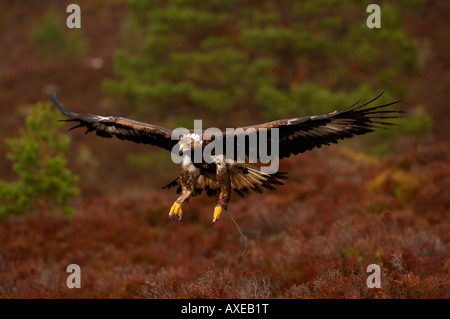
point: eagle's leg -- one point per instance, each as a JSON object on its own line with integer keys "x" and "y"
{"x": 188, "y": 178}
{"x": 223, "y": 177}
{"x": 175, "y": 210}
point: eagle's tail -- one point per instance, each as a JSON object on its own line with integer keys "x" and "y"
{"x": 244, "y": 179}
{"x": 248, "y": 178}
{"x": 173, "y": 183}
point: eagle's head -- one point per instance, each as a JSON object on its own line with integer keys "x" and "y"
{"x": 188, "y": 142}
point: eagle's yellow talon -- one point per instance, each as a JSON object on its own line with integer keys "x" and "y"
{"x": 217, "y": 212}
{"x": 175, "y": 210}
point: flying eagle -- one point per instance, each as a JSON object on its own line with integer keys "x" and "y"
{"x": 223, "y": 174}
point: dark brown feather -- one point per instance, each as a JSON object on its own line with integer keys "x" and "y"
{"x": 122, "y": 128}
{"x": 298, "y": 135}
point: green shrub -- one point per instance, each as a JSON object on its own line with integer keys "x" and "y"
{"x": 55, "y": 41}
{"x": 38, "y": 156}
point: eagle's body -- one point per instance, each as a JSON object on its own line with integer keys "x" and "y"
{"x": 223, "y": 175}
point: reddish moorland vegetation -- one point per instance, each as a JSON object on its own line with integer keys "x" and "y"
{"x": 340, "y": 211}
{"x": 303, "y": 244}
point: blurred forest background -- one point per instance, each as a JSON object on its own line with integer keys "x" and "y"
{"x": 70, "y": 198}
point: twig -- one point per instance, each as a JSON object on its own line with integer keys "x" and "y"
{"x": 240, "y": 232}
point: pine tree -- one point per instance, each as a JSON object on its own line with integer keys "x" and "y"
{"x": 258, "y": 60}
{"x": 39, "y": 160}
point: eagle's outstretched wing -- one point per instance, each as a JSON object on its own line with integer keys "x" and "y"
{"x": 297, "y": 135}
{"x": 122, "y": 128}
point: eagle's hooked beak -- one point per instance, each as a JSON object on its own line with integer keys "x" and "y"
{"x": 183, "y": 147}
{"x": 180, "y": 152}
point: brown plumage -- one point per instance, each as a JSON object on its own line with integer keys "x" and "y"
{"x": 244, "y": 178}
{"x": 122, "y": 128}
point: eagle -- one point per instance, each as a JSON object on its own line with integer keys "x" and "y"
{"x": 222, "y": 173}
